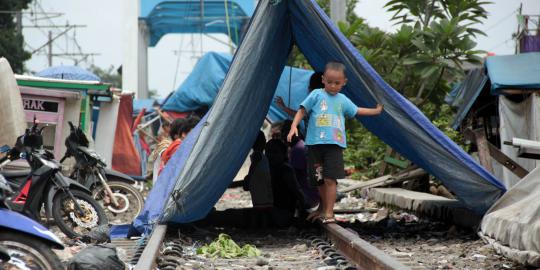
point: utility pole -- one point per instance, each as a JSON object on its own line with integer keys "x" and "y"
{"x": 38, "y": 14}
{"x": 517, "y": 48}
{"x": 337, "y": 10}
{"x": 50, "y": 54}
{"x": 19, "y": 22}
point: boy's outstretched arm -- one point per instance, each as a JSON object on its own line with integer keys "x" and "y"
{"x": 297, "y": 118}
{"x": 370, "y": 111}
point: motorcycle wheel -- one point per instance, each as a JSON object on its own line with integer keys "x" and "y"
{"x": 69, "y": 220}
{"x": 28, "y": 252}
{"x": 130, "y": 202}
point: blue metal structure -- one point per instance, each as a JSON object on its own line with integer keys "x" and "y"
{"x": 196, "y": 16}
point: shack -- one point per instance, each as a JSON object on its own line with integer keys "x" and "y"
{"x": 54, "y": 102}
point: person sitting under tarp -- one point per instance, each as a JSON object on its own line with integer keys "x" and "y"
{"x": 286, "y": 193}
{"x": 179, "y": 130}
{"x": 298, "y": 161}
{"x": 258, "y": 181}
{"x": 259, "y": 184}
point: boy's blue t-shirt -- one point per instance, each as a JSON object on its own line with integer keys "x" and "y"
{"x": 327, "y": 117}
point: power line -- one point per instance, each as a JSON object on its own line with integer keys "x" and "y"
{"x": 501, "y": 20}
{"x": 59, "y": 31}
{"x": 499, "y": 44}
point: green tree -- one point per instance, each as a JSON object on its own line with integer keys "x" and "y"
{"x": 420, "y": 59}
{"x": 109, "y": 75}
{"x": 12, "y": 42}
{"x": 442, "y": 34}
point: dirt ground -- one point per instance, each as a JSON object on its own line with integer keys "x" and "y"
{"x": 432, "y": 244}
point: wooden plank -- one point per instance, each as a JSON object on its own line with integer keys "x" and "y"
{"x": 499, "y": 156}
{"x": 483, "y": 149}
{"x": 386, "y": 180}
{"x": 389, "y": 151}
{"x": 396, "y": 162}
{"x": 507, "y": 162}
{"x": 369, "y": 183}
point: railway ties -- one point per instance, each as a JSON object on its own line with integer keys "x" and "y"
{"x": 343, "y": 250}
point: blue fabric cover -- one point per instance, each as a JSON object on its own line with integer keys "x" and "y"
{"x": 139, "y": 104}
{"x": 520, "y": 71}
{"x": 204, "y": 167}
{"x": 464, "y": 94}
{"x": 200, "y": 88}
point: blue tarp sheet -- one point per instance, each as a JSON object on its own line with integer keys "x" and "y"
{"x": 520, "y": 71}
{"x": 212, "y": 154}
{"x": 139, "y": 104}
{"x": 465, "y": 94}
{"x": 202, "y": 85}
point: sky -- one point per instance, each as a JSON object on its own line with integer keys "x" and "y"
{"x": 171, "y": 60}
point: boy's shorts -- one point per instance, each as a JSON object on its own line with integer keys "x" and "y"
{"x": 325, "y": 161}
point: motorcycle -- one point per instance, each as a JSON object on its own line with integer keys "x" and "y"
{"x": 24, "y": 243}
{"x": 69, "y": 203}
{"x": 120, "y": 199}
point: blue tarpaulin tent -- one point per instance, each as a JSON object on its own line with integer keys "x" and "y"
{"x": 500, "y": 73}
{"x": 201, "y": 87}
{"x": 520, "y": 71}
{"x": 209, "y": 158}
{"x": 148, "y": 104}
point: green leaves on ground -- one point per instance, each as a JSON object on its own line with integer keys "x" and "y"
{"x": 225, "y": 247}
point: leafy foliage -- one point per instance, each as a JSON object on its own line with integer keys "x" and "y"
{"x": 225, "y": 247}
{"x": 11, "y": 42}
{"x": 435, "y": 39}
{"x": 109, "y": 75}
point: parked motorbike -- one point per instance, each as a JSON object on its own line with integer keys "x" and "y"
{"x": 68, "y": 202}
{"x": 120, "y": 199}
{"x": 24, "y": 243}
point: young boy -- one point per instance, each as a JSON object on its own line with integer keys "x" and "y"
{"x": 326, "y": 135}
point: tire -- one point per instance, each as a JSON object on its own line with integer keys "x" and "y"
{"x": 67, "y": 218}
{"x": 130, "y": 202}
{"x": 28, "y": 250}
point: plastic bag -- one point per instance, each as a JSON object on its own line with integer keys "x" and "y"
{"x": 99, "y": 257}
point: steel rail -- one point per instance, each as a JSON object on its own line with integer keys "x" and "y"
{"x": 359, "y": 252}
{"x": 148, "y": 257}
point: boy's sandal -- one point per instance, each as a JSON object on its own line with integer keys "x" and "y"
{"x": 327, "y": 220}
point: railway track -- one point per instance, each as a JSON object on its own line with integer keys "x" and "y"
{"x": 344, "y": 249}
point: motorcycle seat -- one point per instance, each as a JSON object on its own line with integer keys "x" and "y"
{"x": 15, "y": 174}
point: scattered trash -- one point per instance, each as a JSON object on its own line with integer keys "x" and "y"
{"x": 225, "y": 247}
{"x": 261, "y": 261}
{"x": 404, "y": 217}
{"x": 380, "y": 215}
{"x": 479, "y": 257}
{"x": 98, "y": 257}
{"x": 98, "y": 235}
{"x": 301, "y": 248}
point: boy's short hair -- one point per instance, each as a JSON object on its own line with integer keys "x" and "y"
{"x": 335, "y": 65}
